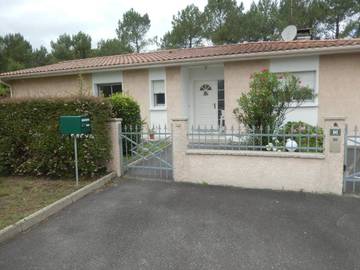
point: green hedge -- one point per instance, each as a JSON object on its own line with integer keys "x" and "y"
{"x": 30, "y": 142}
{"x": 126, "y": 108}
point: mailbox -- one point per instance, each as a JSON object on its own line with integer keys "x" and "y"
{"x": 76, "y": 124}
{"x": 335, "y": 141}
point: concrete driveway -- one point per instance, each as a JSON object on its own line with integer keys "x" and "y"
{"x": 156, "y": 225}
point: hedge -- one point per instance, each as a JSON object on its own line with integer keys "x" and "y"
{"x": 30, "y": 142}
{"x": 126, "y": 108}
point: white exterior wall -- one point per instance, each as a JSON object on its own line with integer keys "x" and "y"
{"x": 308, "y": 112}
{"x": 198, "y": 73}
{"x": 105, "y": 77}
{"x": 158, "y": 116}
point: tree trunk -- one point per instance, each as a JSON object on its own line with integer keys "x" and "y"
{"x": 337, "y": 31}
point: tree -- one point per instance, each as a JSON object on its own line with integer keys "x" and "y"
{"x": 223, "y": 21}
{"x": 132, "y": 29}
{"x": 187, "y": 29}
{"x": 81, "y": 44}
{"x": 260, "y": 22}
{"x": 336, "y": 14}
{"x": 68, "y": 47}
{"x": 62, "y": 49}
{"x": 303, "y": 14}
{"x": 352, "y": 29}
{"x": 111, "y": 47}
{"x": 16, "y": 52}
{"x": 40, "y": 57}
{"x": 270, "y": 99}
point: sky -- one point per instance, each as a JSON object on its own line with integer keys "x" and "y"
{"x": 41, "y": 21}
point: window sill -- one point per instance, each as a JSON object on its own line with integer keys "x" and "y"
{"x": 306, "y": 105}
{"x": 158, "y": 108}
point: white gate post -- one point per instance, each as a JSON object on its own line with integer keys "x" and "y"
{"x": 180, "y": 143}
{"x": 333, "y": 172}
{"x": 115, "y": 146}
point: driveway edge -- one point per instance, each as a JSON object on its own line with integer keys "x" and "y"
{"x": 35, "y": 218}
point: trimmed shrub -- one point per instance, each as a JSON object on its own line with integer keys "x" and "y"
{"x": 31, "y": 144}
{"x": 126, "y": 108}
{"x": 303, "y": 128}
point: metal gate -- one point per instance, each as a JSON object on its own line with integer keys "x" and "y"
{"x": 147, "y": 152}
{"x": 352, "y": 161}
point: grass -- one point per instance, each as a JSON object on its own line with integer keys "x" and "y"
{"x": 20, "y": 197}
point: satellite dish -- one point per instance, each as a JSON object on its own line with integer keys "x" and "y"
{"x": 289, "y": 33}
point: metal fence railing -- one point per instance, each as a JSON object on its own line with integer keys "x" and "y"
{"x": 352, "y": 160}
{"x": 286, "y": 139}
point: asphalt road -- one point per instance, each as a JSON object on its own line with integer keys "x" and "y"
{"x": 158, "y": 225}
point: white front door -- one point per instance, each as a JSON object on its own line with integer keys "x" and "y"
{"x": 206, "y": 107}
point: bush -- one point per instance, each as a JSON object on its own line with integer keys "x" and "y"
{"x": 31, "y": 144}
{"x": 304, "y": 129}
{"x": 270, "y": 99}
{"x": 4, "y": 91}
{"x": 126, "y": 108}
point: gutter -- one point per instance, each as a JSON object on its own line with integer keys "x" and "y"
{"x": 197, "y": 61}
{"x": 8, "y": 85}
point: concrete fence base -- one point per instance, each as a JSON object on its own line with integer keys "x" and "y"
{"x": 320, "y": 173}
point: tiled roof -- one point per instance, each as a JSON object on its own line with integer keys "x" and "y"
{"x": 180, "y": 55}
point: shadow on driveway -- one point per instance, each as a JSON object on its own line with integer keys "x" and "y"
{"x": 158, "y": 225}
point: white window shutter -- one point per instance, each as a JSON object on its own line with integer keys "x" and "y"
{"x": 158, "y": 87}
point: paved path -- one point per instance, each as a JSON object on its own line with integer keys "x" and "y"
{"x": 157, "y": 225}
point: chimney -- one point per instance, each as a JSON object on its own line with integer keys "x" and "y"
{"x": 304, "y": 34}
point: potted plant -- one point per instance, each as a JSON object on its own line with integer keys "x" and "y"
{"x": 151, "y": 133}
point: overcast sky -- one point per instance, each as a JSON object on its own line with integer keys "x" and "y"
{"x": 41, "y": 21}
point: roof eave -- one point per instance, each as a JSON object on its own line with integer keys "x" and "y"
{"x": 191, "y": 61}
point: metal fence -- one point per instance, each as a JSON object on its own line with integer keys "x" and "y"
{"x": 147, "y": 152}
{"x": 352, "y": 160}
{"x": 288, "y": 138}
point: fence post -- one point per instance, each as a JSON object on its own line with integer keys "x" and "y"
{"x": 333, "y": 172}
{"x": 180, "y": 143}
{"x": 115, "y": 146}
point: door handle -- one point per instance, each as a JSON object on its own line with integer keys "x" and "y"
{"x": 214, "y": 105}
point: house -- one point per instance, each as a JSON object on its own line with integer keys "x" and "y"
{"x": 204, "y": 83}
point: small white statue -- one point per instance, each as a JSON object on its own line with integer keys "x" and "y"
{"x": 291, "y": 145}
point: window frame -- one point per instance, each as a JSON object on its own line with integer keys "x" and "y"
{"x": 153, "y": 104}
{"x": 310, "y": 102}
{"x": 98, "y": 85}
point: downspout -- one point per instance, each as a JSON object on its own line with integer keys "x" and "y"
{"x": 8, "y": 85}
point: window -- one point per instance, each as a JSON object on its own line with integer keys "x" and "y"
{"x": 306, "y": 78}
{"x": 158, "y": 92}
{"x": 106, "y": 90}
{"x": 205, "y": 88}
{"x": 221, "y": 103}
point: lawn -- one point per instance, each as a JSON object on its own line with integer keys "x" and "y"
{"x": 20, "y": 197}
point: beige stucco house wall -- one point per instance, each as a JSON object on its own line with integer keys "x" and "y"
{"x": 339, "y": 87}
{"x": 59, "y": 86}
{"x": 136, "y": 85}
{"x": 237, "y": 79}
{"x": 174, "y": 93}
